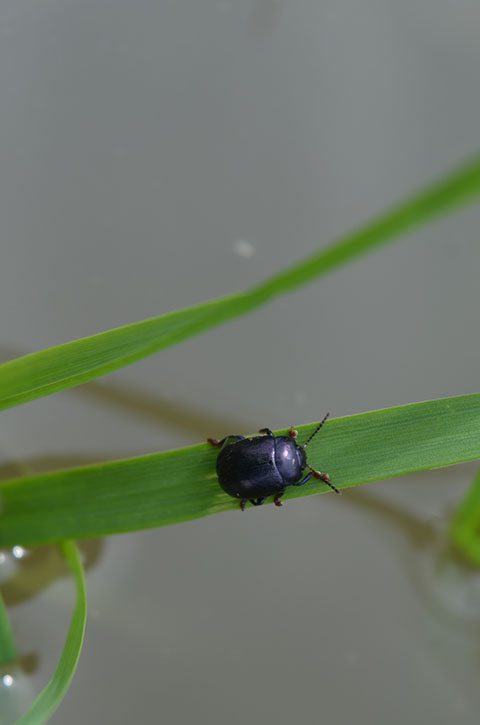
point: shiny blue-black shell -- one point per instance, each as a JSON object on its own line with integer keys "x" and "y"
{"x": 261, "y": 466}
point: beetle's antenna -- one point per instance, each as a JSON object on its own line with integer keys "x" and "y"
{"x": 316, "y": 430}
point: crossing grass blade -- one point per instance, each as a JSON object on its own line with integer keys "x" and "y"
{"x": 180, "y": 485}
{"x": 58, "y": 368}
{"x": 51, "y": 697}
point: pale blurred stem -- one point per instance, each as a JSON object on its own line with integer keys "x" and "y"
{"x": 465, "y": 524}
{"x": 8, "y": 649}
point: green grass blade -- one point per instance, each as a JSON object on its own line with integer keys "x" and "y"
{"x": 8, "y": 649}
{"x": 49, "y": 371}
{"x": 50, "y": 698}
{"x": 167, "y": 488}
{"x": 465, "y": 524}
{"x": 449, "y": 192}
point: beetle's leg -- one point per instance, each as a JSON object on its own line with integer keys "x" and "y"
{"x": 219, "y": 444}
{"x": 258, "y": 501}
{"x": 276, "y": 499}
{"x": 322, "y": 477}
{"x": 243, "y": 503}
{"x": 304, "y": 480}
{"x": 267, "y": 431}
{"x": 292, "y": 432}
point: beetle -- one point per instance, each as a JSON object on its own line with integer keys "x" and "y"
{"x": 253, "y": 468}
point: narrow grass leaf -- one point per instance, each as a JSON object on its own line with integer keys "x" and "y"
{"x": 51, "y": 697}
{"x": 58, "y": 368}
{"x": 8, "y": 648}
{"x": 180, "y": 485}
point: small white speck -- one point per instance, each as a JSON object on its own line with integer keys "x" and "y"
{"x": 7, "y": 680}
{"x": 243, "y": 248}
{"x": 3, "y": 557}
{"x": 18, "y": 552}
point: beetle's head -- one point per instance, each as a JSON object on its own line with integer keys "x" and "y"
{"x": 301, "y": 456}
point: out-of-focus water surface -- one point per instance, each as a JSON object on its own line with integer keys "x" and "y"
{"x": 154, "y": 155}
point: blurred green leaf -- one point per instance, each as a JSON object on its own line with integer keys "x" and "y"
{"x": 48, "y": 371}
{"x": 8, "y": 649}
{"x": 51, "y": 697}
{"x": 465, "y": 524}
{"x": 167, "y": 488}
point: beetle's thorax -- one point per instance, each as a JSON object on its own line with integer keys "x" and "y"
{"x": 290, "y": 459}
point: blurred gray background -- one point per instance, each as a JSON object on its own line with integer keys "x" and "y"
{"x": 157, "y": 154}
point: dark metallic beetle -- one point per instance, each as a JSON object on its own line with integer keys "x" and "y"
{"x": 253, "y": 468}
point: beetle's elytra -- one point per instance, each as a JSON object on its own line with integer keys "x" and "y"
{"x": 251, "y": 469}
